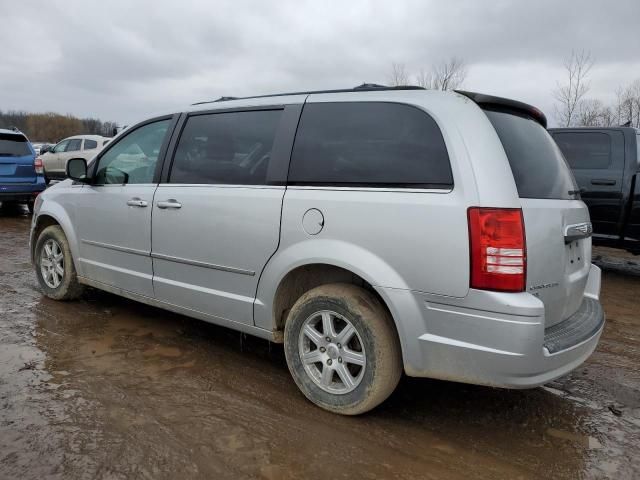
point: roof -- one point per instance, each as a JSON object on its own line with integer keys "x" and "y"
{"x": 90, "y": 137}
{"x": 414, "y": 95}
{"x": 6, "y": 131}
{"x": 365, "y": 87}
{"x": 367, "y": 92}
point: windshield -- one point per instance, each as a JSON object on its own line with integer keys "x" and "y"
{"x": 538, "y": 167}
{"x": 13, "y": 145}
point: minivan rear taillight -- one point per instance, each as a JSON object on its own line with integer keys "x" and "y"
{"x": 497, "y": 248}
{"x": 37, "y": 165}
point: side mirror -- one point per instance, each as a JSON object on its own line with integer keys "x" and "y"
{"x": 77, "y": 170}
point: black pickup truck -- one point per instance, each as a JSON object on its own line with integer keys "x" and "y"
{"x": 606, "y": 165}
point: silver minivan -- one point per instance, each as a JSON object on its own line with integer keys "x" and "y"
{"x": 373, "y": 231}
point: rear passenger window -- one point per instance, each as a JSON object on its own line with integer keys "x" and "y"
{"x": 226, "y": 148}
{"x": 90, "y": 144}
{"x": 369, "y": 144}
{"x": 585, "y": 150}
{"x": 74, "y": 145}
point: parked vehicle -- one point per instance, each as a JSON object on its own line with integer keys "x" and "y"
{"x": 606, "y": 165}
{"x": 371, "y": 230}
{"x": 78, "y": 146}
{"x": 45, "y": 147}
{"x": 37, "y": 146}
{"x": 21, "y": 175}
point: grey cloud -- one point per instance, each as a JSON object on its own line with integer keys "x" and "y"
{"x": 121, "y": 60}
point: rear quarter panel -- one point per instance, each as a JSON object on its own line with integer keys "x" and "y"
{"x": 395, "y": 238}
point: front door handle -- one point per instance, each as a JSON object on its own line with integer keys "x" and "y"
{"x": 602, "y": 181}
{"x": 171, "y": 203}
{"x": 137, "y": 202}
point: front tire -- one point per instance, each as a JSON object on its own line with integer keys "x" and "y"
{"x": 342, "y": 348}
{"x": 54, "y": 265}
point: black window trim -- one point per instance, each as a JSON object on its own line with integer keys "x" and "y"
{"x": 280, "y": 152}
{"x": 81, "y": 140}
{"x": 163, "y": 149}
{"x": 586, "y": 132}
{"x": 84, "y": 144}
{"x": 403, "y": 187}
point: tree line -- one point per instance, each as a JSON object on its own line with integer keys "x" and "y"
{"x": 53, "y": 127}
{"x": 573, "y": 108}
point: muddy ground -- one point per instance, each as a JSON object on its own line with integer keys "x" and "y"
{"x": 107, "y": 388}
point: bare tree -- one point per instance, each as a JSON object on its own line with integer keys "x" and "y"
{"x": 608, "y": 117}
{"x": 398, "y": 76}
{"x": 424, "y": 79}
{"x": 448, "y": 74}
{"x": 570, "y": 94}
{"x": 591, "y": 113}
{"x": 629, "y": 104}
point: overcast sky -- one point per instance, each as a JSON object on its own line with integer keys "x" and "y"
{"x": 126, "y": 60}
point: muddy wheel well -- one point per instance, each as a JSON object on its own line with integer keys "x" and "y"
{"x": 303, "y": 279}
{"x": 44, "y": 221}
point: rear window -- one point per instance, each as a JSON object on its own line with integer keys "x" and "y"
{"x": 539, "y": 169}
{"x": 585, "y": 150}
{"x": 13, "y": 145}
{"x": 369, "y": 144}
{"x": 90, "y": 144}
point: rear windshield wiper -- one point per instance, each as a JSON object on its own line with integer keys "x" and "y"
{"x": 576, "y": 193}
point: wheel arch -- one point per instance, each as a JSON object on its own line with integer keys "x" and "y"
{"x": 48, "y": 218}
{"x": 298, "y": 268}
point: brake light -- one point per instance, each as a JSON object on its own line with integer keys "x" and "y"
{"x": 497, "y": 249}
{"x": 37, "y": 164}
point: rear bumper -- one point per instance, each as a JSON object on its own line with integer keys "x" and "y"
{"x": 22, "y": 192}
{"x": 493, "y": 338}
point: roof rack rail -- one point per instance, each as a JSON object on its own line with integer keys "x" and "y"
{"x": 365, "y": 87}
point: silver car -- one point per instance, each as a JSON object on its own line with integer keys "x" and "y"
{"x": 373, "y": 231}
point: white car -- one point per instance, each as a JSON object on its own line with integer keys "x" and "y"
{"x": 78, "y": 146}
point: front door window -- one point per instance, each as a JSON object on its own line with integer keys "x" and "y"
{"x": 133, "y": 159}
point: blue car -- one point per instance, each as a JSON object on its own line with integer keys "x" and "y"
{"x": 21, "y": 174}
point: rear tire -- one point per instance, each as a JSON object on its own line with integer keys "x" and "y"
{"x": 342, "y": 348}
{"x": 54, "y": 265}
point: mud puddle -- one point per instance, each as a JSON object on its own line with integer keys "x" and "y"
{"x": 107, "y": 388}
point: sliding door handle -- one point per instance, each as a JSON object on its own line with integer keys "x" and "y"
{"x": 602, "y": 181}
{"x": 171, "y": 203}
